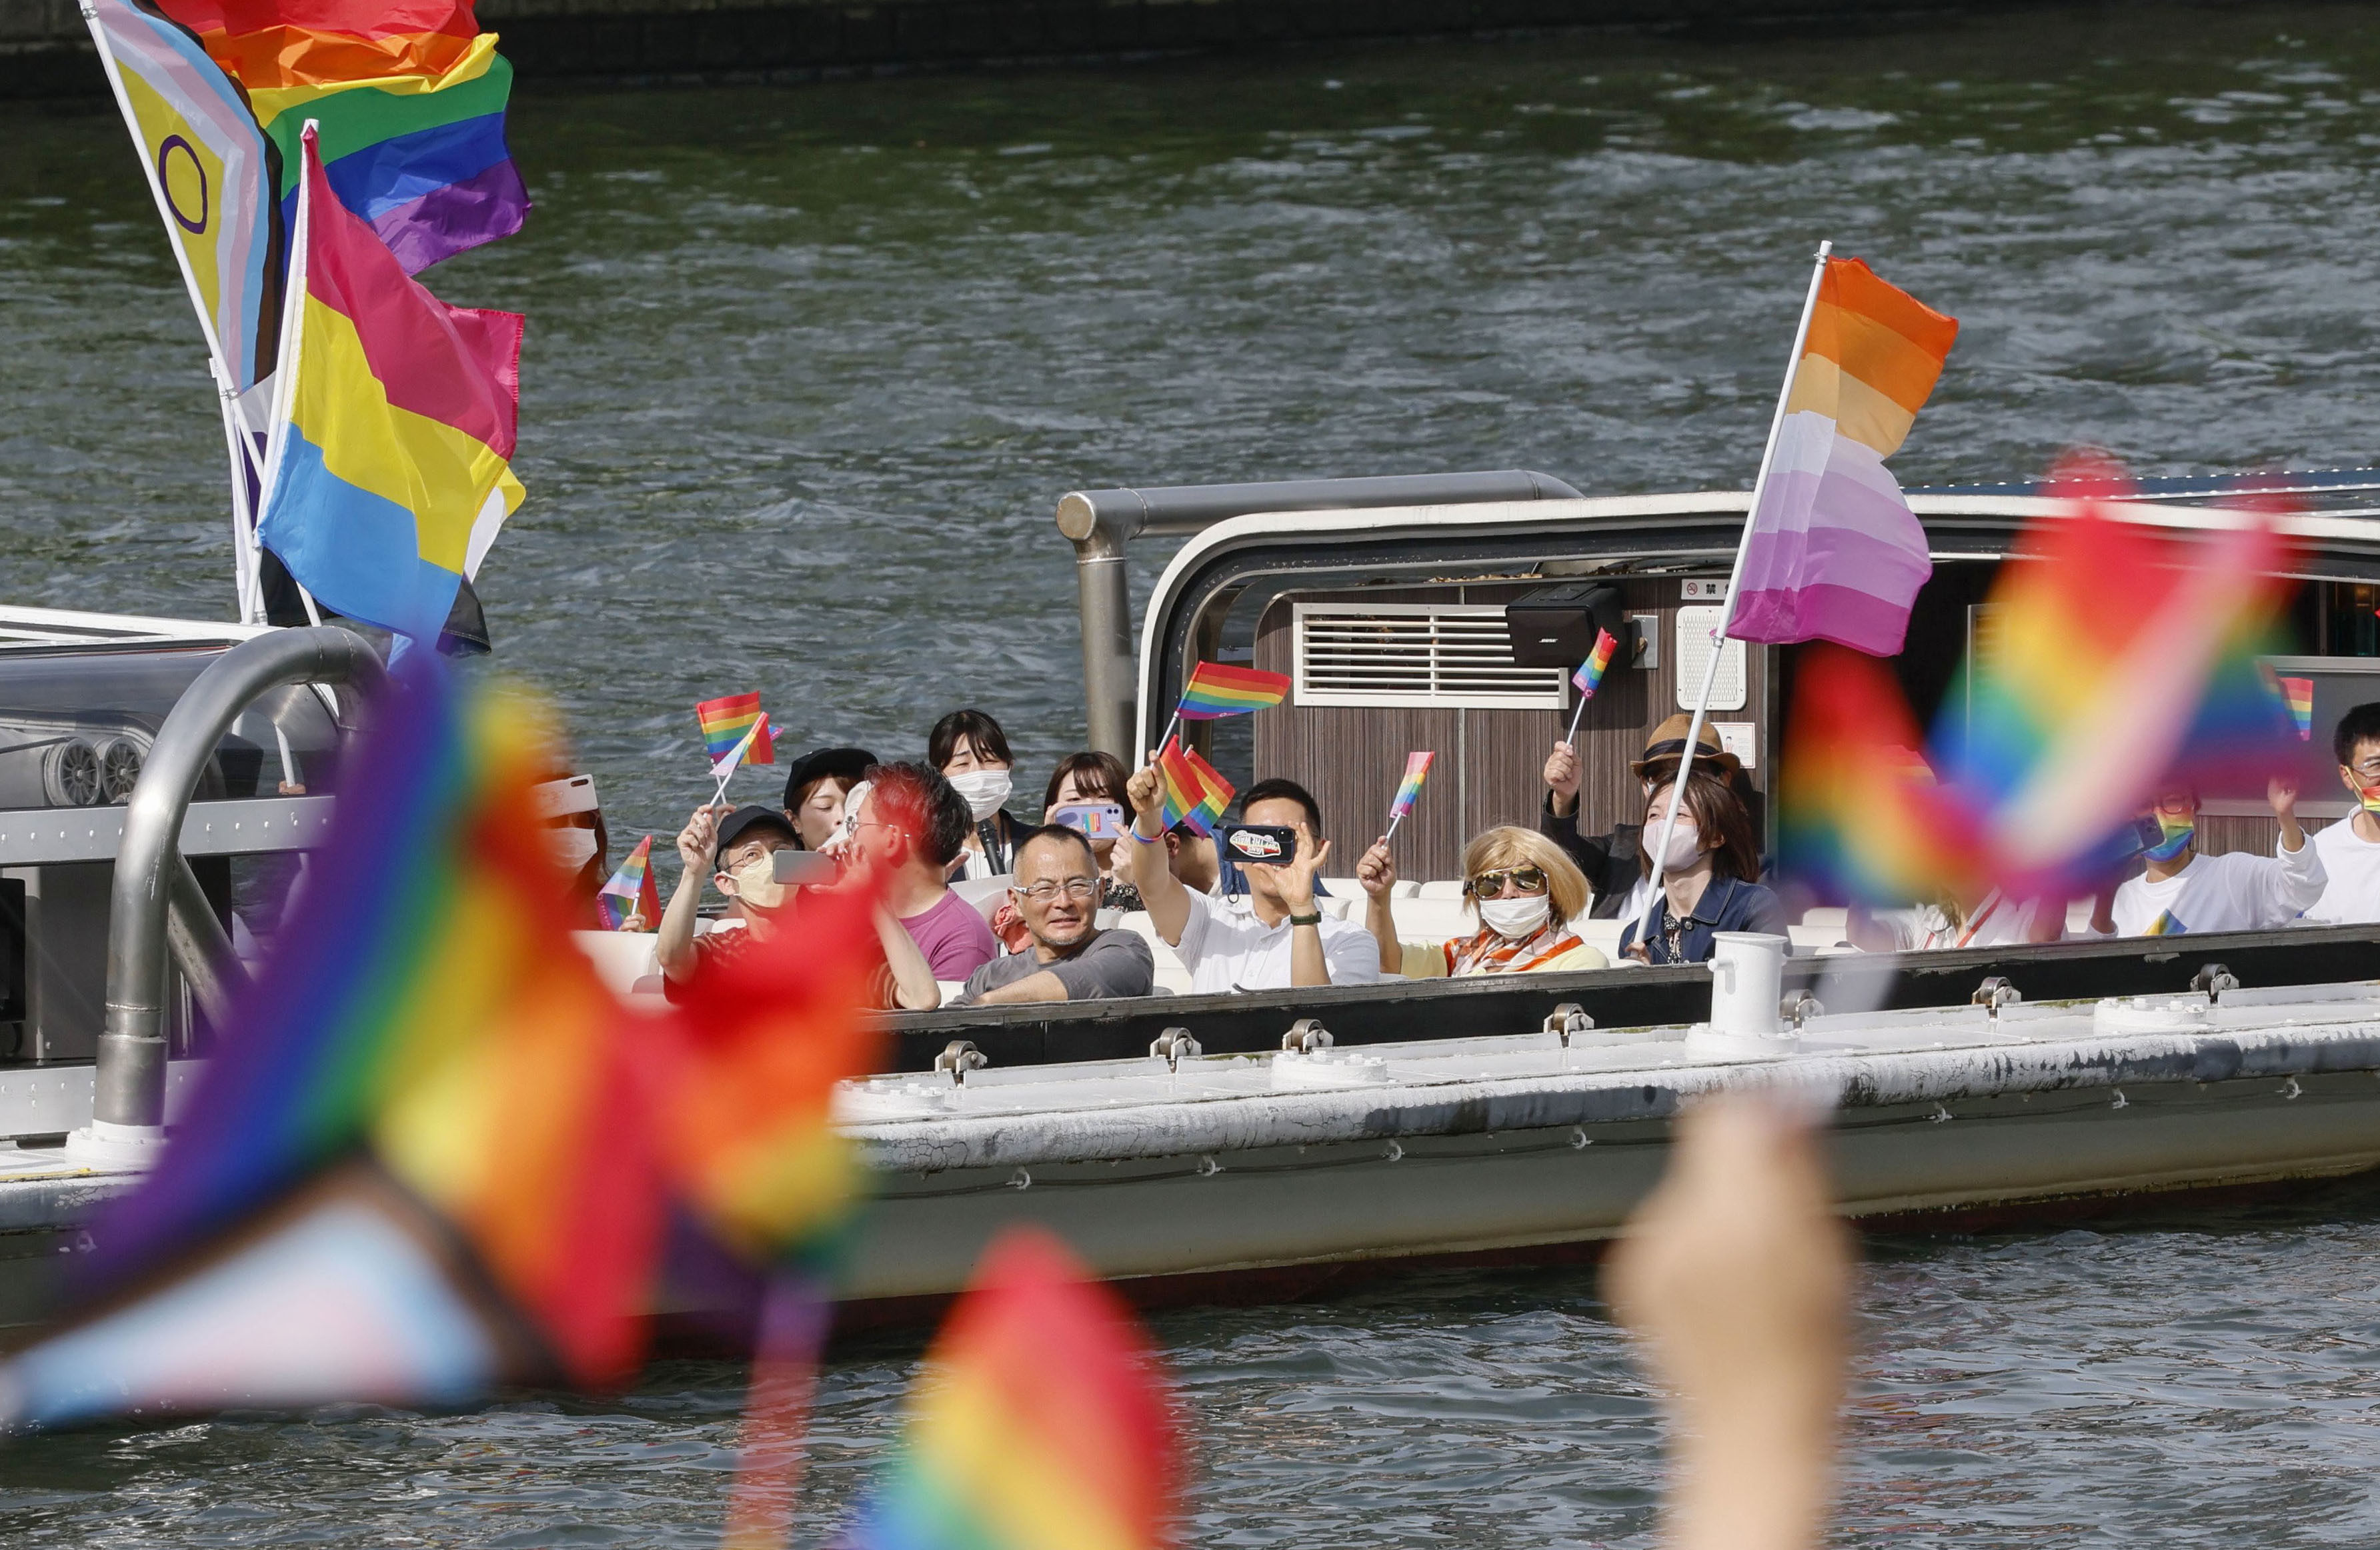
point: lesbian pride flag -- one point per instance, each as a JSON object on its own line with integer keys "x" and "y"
{"x": 1833, "y": 552}
{"x": 389, "y": 467}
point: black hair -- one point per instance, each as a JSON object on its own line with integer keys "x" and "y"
{"x": 1062, "y": 834}
{"x": 1106, "y": 766}
{"x": 977, "y": 727}
{"x": 916, "y": 800}
{"x": 2359, "y": 725}
{"x": 1277, "y": 790}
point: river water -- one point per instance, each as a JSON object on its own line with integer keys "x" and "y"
{"x": 807, "y": 369}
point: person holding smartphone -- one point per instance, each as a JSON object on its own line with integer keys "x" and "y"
{"x": 1087, "y": 794}
{"x": 1282, "y": 940}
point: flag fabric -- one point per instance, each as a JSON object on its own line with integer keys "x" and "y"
{"x": 1590, "y": 676}
{"x": 2299, "y": 694}
{"x": 1409, "y": 789}
{"x": 283, "y": 42}
{"x": 2051, "y": 742}
{"x": 211, "y": 172}
{"x": 1832, "y": 552}
{"x": 388, "y": 471}
{"x": 1215, "y": 796}
{"x": 1041, "y": 1422}
{"x": 422, "y": 158}
{"x": 1215, "y": 690}
{"x": 441, "y": 1155}
{"x": 631, "y": 891}
{"x": 733, "y": 725}
{"x": 1180, "y": 792}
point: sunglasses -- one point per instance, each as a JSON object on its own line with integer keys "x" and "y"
{"x": 1487, "y": 885}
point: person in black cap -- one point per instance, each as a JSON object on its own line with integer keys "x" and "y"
{"x": 737, "y": 854}
{"x": 815, "y": 788}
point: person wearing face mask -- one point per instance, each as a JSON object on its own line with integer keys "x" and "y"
{"x": 816, "y": 787}
{"x": 2350, "y": 848}
{"x": 2181, "y": 891}
{"x": 1609, "y": 861}
{"x": 1525, "y": 893}
{"x": 737, "y": 852}
{"x": 971, "y": 751}
{"x": 1708, "y": 875}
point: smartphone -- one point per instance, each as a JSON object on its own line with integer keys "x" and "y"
{"x": 1265, "y": 845}
{"x": 801, "y": 869}
{"x": 2147, "y": 835}
{"x": 1097, "y": 820}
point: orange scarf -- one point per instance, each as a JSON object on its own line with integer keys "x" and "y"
{"x": 1489, "y": 953}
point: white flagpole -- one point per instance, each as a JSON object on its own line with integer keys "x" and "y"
{"x": 1734, "y": 579}
{"x": 725, "y": 772}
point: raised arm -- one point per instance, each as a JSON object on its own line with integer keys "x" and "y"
{"x": 1378, "y": 872}
{"x": 1308, "y": 964}
{"x": 2298, "y": 883}
{"x": 674, "y": 950}
{"x": 1167, "y": 901}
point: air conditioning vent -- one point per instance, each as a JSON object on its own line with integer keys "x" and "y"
{"x": 1413, "y": 654}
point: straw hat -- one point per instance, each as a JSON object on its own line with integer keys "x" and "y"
{"x": 1667, "y": 744}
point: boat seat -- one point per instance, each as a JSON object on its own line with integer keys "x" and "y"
{"x": 1170, "y": 976}
{"x": 622, "y": 959}
{"x": 1815, "y": 937}
{"x": 1602, "y": 934}
{"x": 987, "y": 894}
{"x": 1827, "y": 917}
{"x": 1441, "y": 889}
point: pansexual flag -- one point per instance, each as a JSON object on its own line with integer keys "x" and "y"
{"x": 1590, "y": 676}
{"x": 388, "y": 471}
{"x": 1215, "y": 690}
{"x": 1181, "y": 793}
{"x": 728, "y": 724}
{"x": 631, "y": 891}
{"x": 1833, "y": 551}
{"x": 1039, "y": 1423}
{"x": 2299, "y": 692}
{"x": 1215, "y": 798}
{"x": 210, "y": 170}
{"x": 1416, "y": 771}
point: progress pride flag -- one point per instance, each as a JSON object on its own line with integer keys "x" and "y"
{"x": 1834, "y": 552}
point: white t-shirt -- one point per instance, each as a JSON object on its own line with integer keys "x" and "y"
{"x": 2234, "y": 891}
{"x": 1227, "y": 950}
{"x": 2353, "y": 865}
{"x": 1929, "y": 926}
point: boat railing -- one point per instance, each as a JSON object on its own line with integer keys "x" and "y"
{"x": 1100, "y": 522}
{"x": 157, "y": 908}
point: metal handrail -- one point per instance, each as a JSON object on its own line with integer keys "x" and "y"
{"x": 1100, "y": 522}
{"x": 151, "y": 878}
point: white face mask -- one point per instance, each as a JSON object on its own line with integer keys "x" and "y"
{"x": 986, "y": 790}
{"x": 1517, "y": 919}
{"x": 574, "y": 847}
{"x": 1685, "y": 843}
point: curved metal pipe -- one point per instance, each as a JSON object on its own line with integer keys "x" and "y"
{"x": 1100, "y": 522}
{"x": 129, "y": 1093}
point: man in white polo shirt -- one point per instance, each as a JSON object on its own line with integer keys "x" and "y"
{"x": 2350, "y": 848}
{"x": 1283, "y": 938}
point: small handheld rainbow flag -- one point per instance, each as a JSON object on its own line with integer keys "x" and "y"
{"x": 2299, "y": 692}
{"x": 1409, "y": 789}
{"x": 1212, "y": 806}
{"x": 1042, "y": 1424}
{"x": 1590, "y": 676}
{"x": 631, "y": 891}
{"x": 1215, "y": 690}
{"x": 729, "y": 724}
{"x": 1184, "y": 794}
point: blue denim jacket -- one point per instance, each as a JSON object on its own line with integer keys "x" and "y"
{"x": 1726, "y": 905}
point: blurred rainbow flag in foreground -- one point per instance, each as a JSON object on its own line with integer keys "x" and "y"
{"x": 1041, "y": 1422}
{"x": 437, "y": 1153}
{"x": 2121, "y": 656}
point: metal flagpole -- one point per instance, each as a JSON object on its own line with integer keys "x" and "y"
{"x": 1726, "y": 615}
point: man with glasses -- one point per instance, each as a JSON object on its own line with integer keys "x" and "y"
{"x": 1057, "y": 891}
{"x": 2351, "y": 848}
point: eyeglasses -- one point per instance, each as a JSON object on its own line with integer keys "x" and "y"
{"x": 1487, "y": 885}
{"x": 2369, "y": 769}
{"x": 1045, "y": 890}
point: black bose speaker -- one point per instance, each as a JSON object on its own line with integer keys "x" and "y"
{"x": 1555, "y": 626}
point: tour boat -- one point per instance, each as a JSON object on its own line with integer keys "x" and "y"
{"x": 163, "y": 776}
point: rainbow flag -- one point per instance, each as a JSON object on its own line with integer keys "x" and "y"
{"x": 2051, "y": 743}
{"x": 1215, "y": 690}
{"x": 1833, "y": 551}
{"x": 1041, "y": 1424}
{"x": 388, "y": 470}
{"x": 1182, "y": 793}
{"x": 281, "y": 42}
{"x": 1590, "y": 676}
{"x": 1416, "y": 771}
{"x": 441, "y": 1155}
{"x": 1215, "y": 797}
{"x": 633, "y": 885}
{"x": 733, "y": 724}
{"x": 2299, "y": 694}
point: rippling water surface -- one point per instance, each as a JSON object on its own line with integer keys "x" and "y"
{"x": 807, "y": 369}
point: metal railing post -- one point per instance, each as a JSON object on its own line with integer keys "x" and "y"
{"x": 129, "y": 1093}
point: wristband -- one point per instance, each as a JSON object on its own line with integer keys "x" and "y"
{"x": 1314, "y": 919}
{"x": 1144, "y": 839}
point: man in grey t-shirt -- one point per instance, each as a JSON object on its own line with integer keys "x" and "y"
{"x": 1057, "y": 891}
